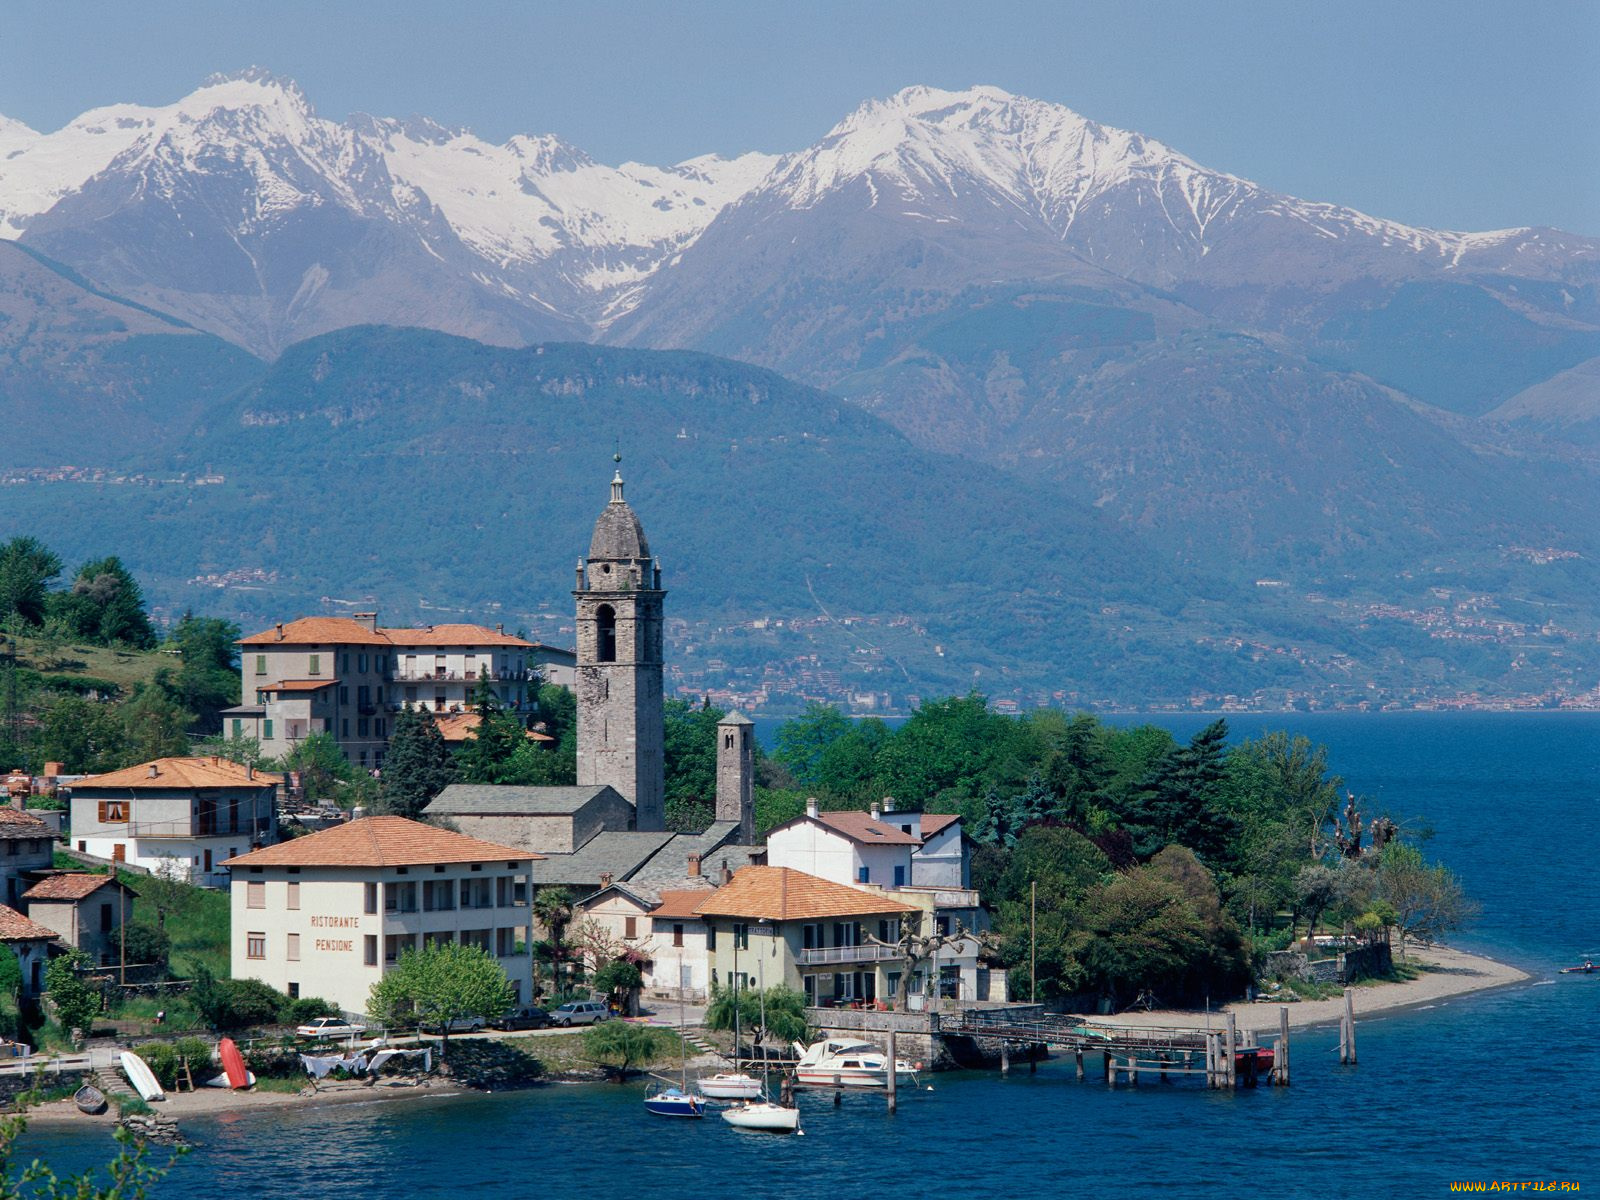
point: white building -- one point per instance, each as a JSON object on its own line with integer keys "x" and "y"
{"x": 919, "y": 859}
{"x": 184, "y": 815}
{"x": 663, "y": 931}
{"x": 325, "y": 915}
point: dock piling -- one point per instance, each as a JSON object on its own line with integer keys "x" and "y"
{"x": 893, "y": 1075}
{"x": 1281, "y": 1054}
{"x": 1077, "y": 1058}
{"x": 1231, "y": 1065}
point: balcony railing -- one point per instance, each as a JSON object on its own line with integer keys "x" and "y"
{"x": 823, "y": 955}
{"x": 436, "y": 675}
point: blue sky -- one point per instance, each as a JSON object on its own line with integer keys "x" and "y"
{"x": 1466, "y": 115}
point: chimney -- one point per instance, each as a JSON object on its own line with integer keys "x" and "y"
{"x": 52, "y": 769}
{"x": 811, "y": 806}
{"x": 694, "y": 866}
{"x": 888, "y": 804}
{"x": 280, "y": 630}
{"x": 249, "y": 771}
{"x": 727, "y": 875}
{"x": 499, "y": 627}
{"x": 877, "y": 813}
{"x": 369, "y": 619}
{"x": 153, "y": 771}
{"x": 605, "y": 879}
{"x": 216, "y": 761}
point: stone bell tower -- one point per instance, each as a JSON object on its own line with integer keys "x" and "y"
{"x": 736, "y": 769}
{"x": 620, "y": 720}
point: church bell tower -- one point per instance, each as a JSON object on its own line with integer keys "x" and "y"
{"x": 620, "y": 720}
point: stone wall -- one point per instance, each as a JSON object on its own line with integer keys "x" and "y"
{"x": 916, "y": 1033}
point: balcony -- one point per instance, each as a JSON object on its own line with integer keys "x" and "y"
{"x": 437, "y": 675}
{"x": 822, "y": 956}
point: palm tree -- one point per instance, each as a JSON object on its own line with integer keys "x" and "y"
{"x": 553, "y": 907}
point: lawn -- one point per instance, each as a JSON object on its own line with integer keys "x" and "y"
{"x": 121, "y": 667}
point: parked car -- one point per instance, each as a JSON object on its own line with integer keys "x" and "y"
{"x": 580, "y": 1012}
{"x": 329, "y": 1027}
{"x": 456, "y": 1025}
{"x": 522, "y": 1018}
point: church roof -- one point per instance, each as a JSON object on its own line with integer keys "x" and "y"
{"x": 617, "y": 533}
{"x": 614, "y": 852}
{"x": 511, "y": 799}
{"x": 736, "y": 718}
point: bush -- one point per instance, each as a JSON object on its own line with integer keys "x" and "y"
{"x": 229, "y": 1004}
{"x": 197, "y": 1053}
{"x": 162, "y": 1059}
{"x": 307, "y": 1009}
{"x": 147, "y": 945}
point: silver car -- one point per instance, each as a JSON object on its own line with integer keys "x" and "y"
{"x": 580, "y": 1012}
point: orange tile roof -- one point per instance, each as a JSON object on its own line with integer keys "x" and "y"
{"x": 453, "y": 635}
{"x": 458, "y": 727}
{"x": 860, "y": 827}
{"x": 681, "y": 904}
{"x": 68, "y": 886}
{"x": 784, "y": 894}
{"x": 379, "y": 842}
{"x": 14, "y": 927}
{"x": 181, "y": 773}
{"x": 932, "y": 823}
{"x": 298, "y": 685}
{"x": 317, "y": 631}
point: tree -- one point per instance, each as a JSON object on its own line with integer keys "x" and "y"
{"x": 26, "y": 568}
{"x": 106, "y": 605}
{"x": 1427, "y": 901}
{"x": 1315, "y": 888}
{"x": 207, "y": 679}
{"x": 86, "y": 736}
{"x": 1180, "y": 800}
{"x": 1040, "y": 893}
{"x": 487, "y": 754}
{"x": 553, "y": 907}
{"x": 417, "y": 767}
{"x": 916, "y": 947}
{"x": 690, "y": 750}
{"x": 324, "y": 770}
{"x": 619, "y": 979}
{"x": 778, "y": 1012}
{"x": 153, "y": 726}
{"x": 623, "y": 1046}
{"x": 439, "y": 984}
{"x": 76, "y": 1003}
{"x": 166, "y": 891}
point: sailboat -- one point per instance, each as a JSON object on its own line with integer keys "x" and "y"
{"x": 675, "y": 1099}
{"x": 782, "y": 1116}
{"x": 734, "y": 1084}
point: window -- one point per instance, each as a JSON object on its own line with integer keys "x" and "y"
{"x": 266, "y": 729}
{"x": 113, "y": 812}
{"x": 344, "y": 694}
{"x": 361, "y": 663}
{"x": 238, "y": 728}
{"x": 261, "y": 664}
{"x": 899, "y": 877}
{"x": 630, "y": 927}
{"x": 677, "y": 935}
{"x": 371, "y": 897}
{"x": 811, "y": 937}
{"x": 380, "y": 727}
{"x": 255, "y": 894}
{"x": 727, "y": 741}
{"x": 255, "y": 945}
{"x": 314, "y": 664}
{"x": 294, "y": 990}
{"x": 741, "y": 935}
{"x": 344, "y": 727}
{"x": 400, "y": 897}
{"x": 293, "y": 902}
{"x": 105, "y": 918}
{"x": 863, "y": 874}
{"x": 369, "y": 945}
{"x": 605, "y": 634}
{"x": 362, "y": 727}
{"x": 344, "y": 663}
{"x": 439, "y": 895}
{"x": 292, "y": 951}
{"x": 711, "y": 937}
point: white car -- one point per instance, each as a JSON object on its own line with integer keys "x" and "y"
{"x": 329, "y": 1027}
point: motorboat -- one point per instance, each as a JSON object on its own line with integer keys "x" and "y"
{"x": 764, "y": 1115}
{"x": 847, "y": 1062}
{"x": 729, "y": 1085}
{"x": 674, "y": 1101}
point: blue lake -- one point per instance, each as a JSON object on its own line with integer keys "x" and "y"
{"x": 1496, "y": 1086}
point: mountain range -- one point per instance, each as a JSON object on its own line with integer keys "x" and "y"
{"x": 1226, "y": 382}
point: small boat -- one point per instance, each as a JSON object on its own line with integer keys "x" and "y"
{"x": 1588, "y": 968}
{"x": 845, "y": 1062}
{"x": 764, "y": 1115}
{"x": 90, "y": 1099}
{"x": 222, "y": 1081}
{"x": 1261, "y": 1055}
{"x": 674, "y": 1101}
{"x": 141, "y": 1076}
{"x": 233, "y": 1064}
{"x": 729, "y": 1085}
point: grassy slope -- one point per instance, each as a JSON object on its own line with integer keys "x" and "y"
{"x": 125, "y": 668}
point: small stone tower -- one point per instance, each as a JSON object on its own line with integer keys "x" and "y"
{"x": 736, "y": 767}
{"x": 620, "y": 721}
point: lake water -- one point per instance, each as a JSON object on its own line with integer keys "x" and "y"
{"x": 1497, "y": 1086}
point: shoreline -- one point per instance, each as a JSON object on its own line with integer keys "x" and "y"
{"x": 1447, "y": 974}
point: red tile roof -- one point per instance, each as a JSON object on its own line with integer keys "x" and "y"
{"x": 784, "y": 894}
{"x": 14, "y": 823}
{"x": 181, "y": 773}
{"x": 681, "y": 905}
{"x": 298, "y": 685}
{"x": 14, "y": 927}
{"x": 68, "y": 886}
{"x": 379, "y": 842}
{"x": 860, "y": 827}
{"x": 453, "y": 635}
{"x": 318, "y": 631}
{"x": 458, "y": 727}
{"x": 932, "y": 823}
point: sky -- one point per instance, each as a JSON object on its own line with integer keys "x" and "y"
{"x": 1476, "y": 114}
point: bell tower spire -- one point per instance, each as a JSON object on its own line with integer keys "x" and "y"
{"x": 621, "y": 725}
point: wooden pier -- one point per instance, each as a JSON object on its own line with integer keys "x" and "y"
{"x": 1221, "y": 1056}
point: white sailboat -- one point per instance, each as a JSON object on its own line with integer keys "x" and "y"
{"x": 781, "y": 1116}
